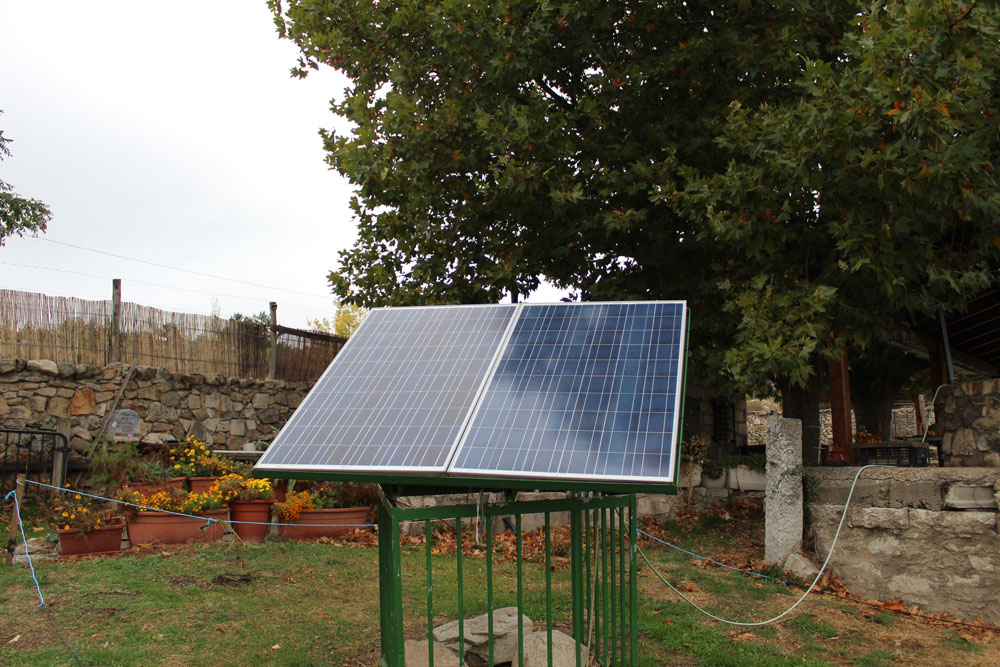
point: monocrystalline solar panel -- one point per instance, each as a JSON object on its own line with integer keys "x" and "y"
{"x": 582, "y": 391}
{"x": 574, "y": 391}
{"x": 396, "y": 397}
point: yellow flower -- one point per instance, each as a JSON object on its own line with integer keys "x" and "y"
{"x": 66, "y": 527}
{"x": 78, "y": 497}
{"x": 98, "y": 521}
{"x": 65, "y": 513}
{"x": 84, "y": 510}
{"x": 72, "y": 516}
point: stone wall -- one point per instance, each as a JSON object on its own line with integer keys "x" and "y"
{"x": 970, "y": 424}
{"x": 222, "y": 411}
{"x": 927, "y": 536}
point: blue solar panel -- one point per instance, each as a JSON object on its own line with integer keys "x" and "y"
{"x": 587, "y": 391}
{"x": 398, "y": 394}
{"x": 582, "y": 391}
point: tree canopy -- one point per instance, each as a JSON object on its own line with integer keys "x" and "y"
{"x": 805, "y": 173}
{"x": 18, "y": 214}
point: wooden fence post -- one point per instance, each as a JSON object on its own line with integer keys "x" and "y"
{"x": 116, "y": 318}
{"x": 272, "y": 371}
{"x": 14, "y": 527}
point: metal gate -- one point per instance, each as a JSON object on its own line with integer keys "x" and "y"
{"x": 603, "y": 563}
{"x": 40, "y": 456}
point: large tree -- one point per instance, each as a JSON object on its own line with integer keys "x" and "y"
{"x": 18, "y": 214}
{"x": 739, "y": 154}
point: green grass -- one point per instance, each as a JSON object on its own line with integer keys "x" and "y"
{"x": 286, "y": 603}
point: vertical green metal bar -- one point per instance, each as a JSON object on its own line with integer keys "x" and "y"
{"x": 548, "y": 586}
{"x": 520, "y": 593}
{"x": 390, "y": 587}
{"x": 430, "y": 600}
{"x": 576, "y": 572}
{"x": 633, "y": 580}
{"x": 605, "y": 616}
{"x": 489, "y": 586}
{"x": 613, "y": 589}
{"x": 588, "y": 602}
{"x": 461, "y": 596}
{"x": 621, "y": 581}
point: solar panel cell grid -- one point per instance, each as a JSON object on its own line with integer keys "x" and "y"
{"x": 398, "y": 394}
{"x": 583, "y": 390}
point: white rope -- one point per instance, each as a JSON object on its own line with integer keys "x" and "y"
{"x": 797, "y": 602}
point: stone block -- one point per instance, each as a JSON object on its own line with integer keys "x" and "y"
{"x": 783, "y": 510}
{"x": 48, "y": 392}
{"x": 961, "y": 496}
{"x": 43, "y": 366}
{"x": 82, "y": 403}
{"x": 193, "y": 401}
{"x": 884, "y": 518}
{"x": 58, "y": 406}
{"x": 261, "y": 400}
{"x": 37, "y": 403}
{"x": 65, "y": 392}
{"x": 476, "y": 634}
{"x": 171, "y": 399}
{"x": 11, "y": 366}
{"x": 536, "y": 652}
{"x": 929, "y": 525}
{"x": 658, "y": 505}
{"x": 799, "y": 566}
{"x": 237, "y": 427}
{"x": 269, "y": 416}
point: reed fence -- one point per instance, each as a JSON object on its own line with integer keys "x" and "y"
{"x": 77, "y": 331}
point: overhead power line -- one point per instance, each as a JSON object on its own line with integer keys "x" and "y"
{"x": 177, "y": 268}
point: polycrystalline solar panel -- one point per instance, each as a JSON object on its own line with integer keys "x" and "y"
{"x": 398, "y": 394}
{"x": 582, "y": 391}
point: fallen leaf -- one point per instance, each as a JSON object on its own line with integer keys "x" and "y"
{"x": 165, "y": 554}
{"x": 276, "y": 647}
{"x": 16, "y": 638}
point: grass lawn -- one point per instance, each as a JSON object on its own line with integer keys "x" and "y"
{"x": 310, "y": 603}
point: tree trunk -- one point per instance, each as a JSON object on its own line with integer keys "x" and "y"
{"x": 803, "y": 403}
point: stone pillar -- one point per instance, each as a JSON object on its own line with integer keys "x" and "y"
{"x": 783, "y": 500}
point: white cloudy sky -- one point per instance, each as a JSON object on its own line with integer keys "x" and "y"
{"x": 170, "y": 133}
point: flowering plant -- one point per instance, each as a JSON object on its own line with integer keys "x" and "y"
{"x": 174, "y": 500}
{"x": 83, "y": 513}
{"x": 866, "y": 436}
{"x": 195, "y": 459}
{"x": 295, "y": 502}
{"x": 236, "y": 487}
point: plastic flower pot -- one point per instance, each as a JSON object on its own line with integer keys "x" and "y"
{"x": 103, "y": 540}
{"x": 166, "y": 528}
{"x": 324, "y": 523}
{"x": 257, "y": 513}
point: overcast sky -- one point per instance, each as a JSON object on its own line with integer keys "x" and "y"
{"x": 173, "y": 134}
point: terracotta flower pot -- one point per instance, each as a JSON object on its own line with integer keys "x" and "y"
{"x": 166, "y": 528}
{"x": 201, "y": 484}
{"x": 280, "y": 487}
{"x": 104, "y": 540}
{"x": 257, "y": 513}
{"x": 323, "y": 523}
{"x": 149, "y": 488}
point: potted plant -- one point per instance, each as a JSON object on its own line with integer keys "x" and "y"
{"x": 250, "y": 502}
{"x": 113, "y": 464}
{"x": 713, "y": 474}
{"x": 174, "y": 516}
{"x": 86, "y": 526}
{"x": 325, "y": 510}
{"x": 195, "y": 461}
{"x": 152, "y": 476}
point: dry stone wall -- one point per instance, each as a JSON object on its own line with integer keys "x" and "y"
{"x": 928, "y": 536}
{"x": 970, "y": 422}
{"x": 221, "y": 411}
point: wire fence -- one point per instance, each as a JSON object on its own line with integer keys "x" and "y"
{"x": 77, "y": 331}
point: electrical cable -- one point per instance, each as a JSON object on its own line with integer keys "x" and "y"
{"x": 176, "y": 268}
{"x": 780, "y": 616}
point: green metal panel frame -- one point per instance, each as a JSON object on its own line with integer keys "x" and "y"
{"x": 603, "y": 567}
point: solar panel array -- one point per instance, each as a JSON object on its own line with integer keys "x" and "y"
{"x": 559, "y": 391}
